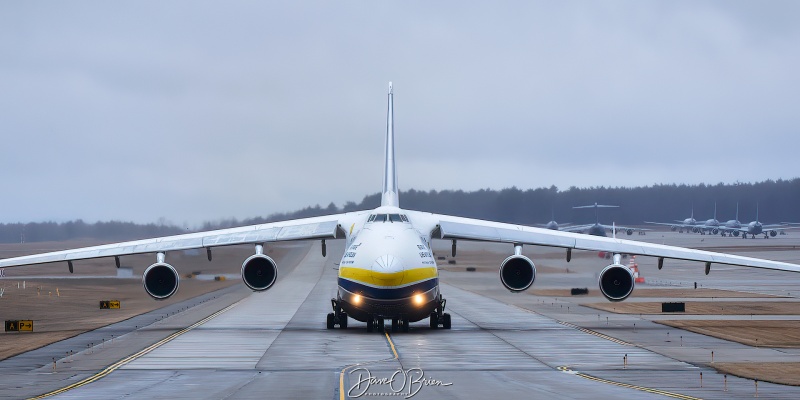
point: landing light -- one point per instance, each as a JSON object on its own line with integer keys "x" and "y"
{"x": 418, "y": 299}
{"x": 356, "y": 299}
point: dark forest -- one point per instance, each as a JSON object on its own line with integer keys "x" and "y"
{"x": 778, "y": 201}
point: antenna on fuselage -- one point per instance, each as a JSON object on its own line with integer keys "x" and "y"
{"x": 390, "y": 191}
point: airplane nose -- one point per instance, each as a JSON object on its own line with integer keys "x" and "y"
{"x": 388, "y": 270}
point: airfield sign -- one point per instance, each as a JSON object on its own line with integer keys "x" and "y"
{"x": 24, "y": 325}
{"x": 109, "y": 304}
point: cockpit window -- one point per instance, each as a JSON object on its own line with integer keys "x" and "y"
{"x": 387, "y": 218}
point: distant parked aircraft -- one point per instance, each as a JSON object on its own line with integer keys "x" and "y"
{"x": 553, "y": 225}
{"x": 598, "y": 229}
{"x": 688, "y": 224}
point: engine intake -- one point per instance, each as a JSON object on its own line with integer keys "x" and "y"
{"x": 616, "y": 282}
{"x": 160, "y": 280}
{"x": 517, "y": 273}
{"x": 259, "y": 272}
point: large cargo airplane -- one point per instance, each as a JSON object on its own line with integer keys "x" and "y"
{"x": 388, "y": 270}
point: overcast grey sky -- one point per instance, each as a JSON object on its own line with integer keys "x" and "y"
{"x": 197, "y": 111}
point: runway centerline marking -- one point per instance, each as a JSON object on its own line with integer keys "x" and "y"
{"x": 113, "y": 367}
{"x": 625, "y": 385}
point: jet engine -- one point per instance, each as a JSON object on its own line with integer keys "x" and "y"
{"x": 629, "y": 232}
{"x": 259, "y": 272}
{"x": 674, "y": 228}
{"x": 715, "y": 231}
{"x": 773, "y": 233}
{"x": 517, "y": 273}
{"x": 736, "y": 233}
{"x": 616, "y": 282}
{"x": 160, "y": 280}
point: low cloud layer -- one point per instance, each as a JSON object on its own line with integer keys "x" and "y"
{"x": 197, "y": 111}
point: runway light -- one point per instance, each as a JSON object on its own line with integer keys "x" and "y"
{"x": 418, "y": 300}
{"x": 356, "y": 299}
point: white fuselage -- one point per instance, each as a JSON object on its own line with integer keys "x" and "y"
{"x": 388, "y": 269}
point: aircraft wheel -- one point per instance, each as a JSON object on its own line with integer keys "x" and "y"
{"x": 434, "y": 320}
{"x": 330, "y": 321}
{"x": 395, "y": 325}
{"x": 446, "y": 321}
{"x": 343, "y": 321}
{"x": 370, "y": 326}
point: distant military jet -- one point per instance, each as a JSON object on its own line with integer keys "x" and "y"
{"x": 553, "y": 225}
{"x": 712, "y": 225}
{"x": 689, "y": 224}
{"x": 598, "y": 229}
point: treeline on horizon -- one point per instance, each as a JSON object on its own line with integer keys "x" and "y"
{"x": 778, "y": 201}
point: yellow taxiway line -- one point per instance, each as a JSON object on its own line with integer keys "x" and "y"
{"x": 113, "y": 367}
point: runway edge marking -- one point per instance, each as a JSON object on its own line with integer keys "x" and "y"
{"x": 113, "y": 367}
{"x": 626, "y": 385}
{"x": 341, "y": 374}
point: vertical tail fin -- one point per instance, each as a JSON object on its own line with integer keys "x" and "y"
{"x": 390, "y": 192}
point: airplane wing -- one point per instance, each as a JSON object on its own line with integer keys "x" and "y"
{"x": 667, "y": 223}
{"x": 777, "y": 227}
{"x": 326, "y": 227}
{"x": 621, "y": 228}
{"x": 457, "y": 228}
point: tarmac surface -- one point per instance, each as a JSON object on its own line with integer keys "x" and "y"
{"x": 237, "y": 344}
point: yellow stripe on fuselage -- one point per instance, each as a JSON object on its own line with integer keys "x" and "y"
{"x": 400, "y": 278}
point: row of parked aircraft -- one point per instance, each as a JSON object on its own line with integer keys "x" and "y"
{"x": 731, "y": 227}
{"x": 387, "y": 270}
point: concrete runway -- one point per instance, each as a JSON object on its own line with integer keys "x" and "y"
{"x": 238, "y": 344}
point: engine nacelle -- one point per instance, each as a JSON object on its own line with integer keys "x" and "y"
{"x": 517, "y": 273}
{"x": 629, "y": 232}
{"x": 616, "y": 282}
{"x": 259, "y": 272}
{"x": 736, "y": 233}
{"x": 674, "y": 228}
{"x": 773, "y": 233}
{"x": 715, "y": 231}
{"x": 160, "y": 280}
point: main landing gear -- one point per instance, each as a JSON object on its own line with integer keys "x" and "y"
{"x": 337, "y": 317}
{"x": 439, "y": 317}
